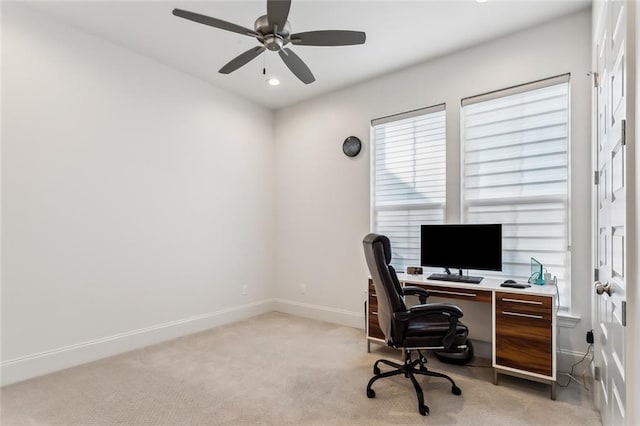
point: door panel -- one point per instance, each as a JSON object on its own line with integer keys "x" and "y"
{"x": 610, "y": 224}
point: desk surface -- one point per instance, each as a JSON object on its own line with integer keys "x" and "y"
{"x": 486, "y": 284}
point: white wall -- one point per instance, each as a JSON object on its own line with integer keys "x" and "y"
{"x": 136, "y": 200}
{"x": 323, "y": 197}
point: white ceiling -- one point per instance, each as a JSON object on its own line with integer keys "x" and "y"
{"x": 399, "y": 34}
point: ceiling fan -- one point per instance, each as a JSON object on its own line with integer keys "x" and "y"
{"x": 273, "y": 31}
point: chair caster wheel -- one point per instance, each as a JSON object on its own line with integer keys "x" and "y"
{"x": 376, "y": 370}
{"x": 424, "y": 410}
{"x": 371, "y": 393}
{"x": 456, "y": 390}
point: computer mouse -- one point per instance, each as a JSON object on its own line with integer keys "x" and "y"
{"x": 509, "y": 282}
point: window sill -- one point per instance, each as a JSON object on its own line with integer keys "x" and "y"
{"x": 567, "y": 320}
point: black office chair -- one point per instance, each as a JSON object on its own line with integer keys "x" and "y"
{"x": 421, "y": 327}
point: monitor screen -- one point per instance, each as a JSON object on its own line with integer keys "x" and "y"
{"x": 462, "y": 246}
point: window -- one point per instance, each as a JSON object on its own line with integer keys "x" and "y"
{"x": 515, "y": 172}
{"x": 408, "y": 174}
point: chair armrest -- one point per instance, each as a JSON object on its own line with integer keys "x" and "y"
{"x": 415, "y": 311}
{"x": 416, "y": 291}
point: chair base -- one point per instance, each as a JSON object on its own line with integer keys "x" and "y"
{"x": 409, "y": 370}
{"x": 459, "y": 358}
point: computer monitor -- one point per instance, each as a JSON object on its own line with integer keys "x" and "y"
{"x": 477, "y": 246}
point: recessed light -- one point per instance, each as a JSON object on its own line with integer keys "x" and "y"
{"x": 273, "y": 81}
{"x": 481, "y": 1}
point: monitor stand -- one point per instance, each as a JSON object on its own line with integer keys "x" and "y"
{"x": 458, "y": 278}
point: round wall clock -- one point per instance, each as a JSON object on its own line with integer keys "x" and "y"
{"x": 351, "y": 146}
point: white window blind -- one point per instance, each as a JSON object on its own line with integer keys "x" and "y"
{"x": 515, "y": 168}
{"x": 408, "y": 172}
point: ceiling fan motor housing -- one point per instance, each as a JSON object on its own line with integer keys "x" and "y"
{"x": 273, "y": 42}
{"x": 273, "y": 38}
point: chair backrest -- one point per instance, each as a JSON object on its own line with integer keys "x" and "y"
{"x": 377, "y": 251}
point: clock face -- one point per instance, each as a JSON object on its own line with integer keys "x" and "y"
{"x": 351, "y": 146}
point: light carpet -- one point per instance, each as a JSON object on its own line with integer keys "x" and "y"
{"x": 278, "y": 369}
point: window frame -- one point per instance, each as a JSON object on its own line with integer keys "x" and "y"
{"x": 564, "y": 303}
{"x": 440, "y": 107}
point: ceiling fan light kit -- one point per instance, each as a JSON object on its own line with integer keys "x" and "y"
{"x": 273, "y": 31}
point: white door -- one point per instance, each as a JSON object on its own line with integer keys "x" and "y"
{"x": 610, "y": 233}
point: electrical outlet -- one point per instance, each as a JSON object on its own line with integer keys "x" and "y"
{"x": 590, "y": 336}
{"x": 303, "y": 288}
{"x": 245, "y": 290}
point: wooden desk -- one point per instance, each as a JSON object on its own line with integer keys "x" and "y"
{"x": 523, "y": 324}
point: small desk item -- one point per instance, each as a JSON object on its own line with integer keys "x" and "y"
{"x": 537, "y": 276}
{"x": 523, "y": 323}
{"x": 514, "y": 285}
{"x": 414, "y": 270}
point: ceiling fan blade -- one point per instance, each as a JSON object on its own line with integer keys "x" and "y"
{"x": 213, "y": 22}
{"x": 241, "y": 59}
{"x": 329, "y": 38}
{"x": 295, "y": 64}
{"x": 278, "y": 12}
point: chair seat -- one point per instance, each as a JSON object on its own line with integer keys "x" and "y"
{"x": 428, "y": 332}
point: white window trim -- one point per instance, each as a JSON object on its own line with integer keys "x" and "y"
{"x": 513, "y": 90}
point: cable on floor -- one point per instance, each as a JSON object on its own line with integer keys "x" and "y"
{"x": 570, "y": 373}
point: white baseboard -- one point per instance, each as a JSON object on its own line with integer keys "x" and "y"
{"x": 29, "y": 366}
{"x": 322, "y": 313}
{"x": 566, "y": 358}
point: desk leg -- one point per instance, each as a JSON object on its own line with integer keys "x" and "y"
{"x": 368, "y": 346}
{"x": 553, "y": 390}
{"x": 495, "y": 376}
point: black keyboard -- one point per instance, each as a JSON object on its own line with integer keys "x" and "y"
{"x": 456, "y": 278}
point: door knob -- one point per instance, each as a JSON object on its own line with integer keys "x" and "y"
{"x": 603, "y": 287}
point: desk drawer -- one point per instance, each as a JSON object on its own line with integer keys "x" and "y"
{"x": 524, "y": 306}
{"x": 373, "y": 298}
{"x": 372, "y": 318}
{"x": 456, "y": 293}
{"x": 374, "y": 327}
{"x": 524, "y": 347}
{"x": 523, "y": 332}
{"x": 373, "y": 304}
